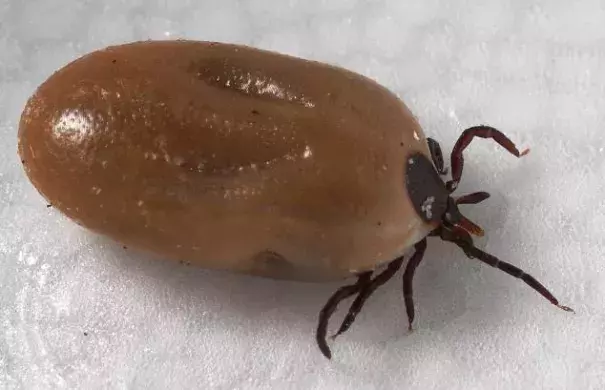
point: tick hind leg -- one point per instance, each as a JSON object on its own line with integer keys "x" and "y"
{"x": 408, "y": 276}
{"x": 364, "y": 287}
{"x": 365, "y": 293}
{"x": 387, "y": 274}
{"x": 457, "y": 159}
{"x": 330, "y": 307}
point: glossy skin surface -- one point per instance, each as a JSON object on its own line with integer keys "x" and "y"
{"x": 227, "y": 157}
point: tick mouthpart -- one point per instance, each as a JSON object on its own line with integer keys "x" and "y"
{"x": 470, "y": 227}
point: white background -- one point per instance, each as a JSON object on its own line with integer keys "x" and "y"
{"x": 535, "y": 69}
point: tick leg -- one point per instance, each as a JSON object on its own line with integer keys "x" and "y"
{"x": 330, "y": 306}
{"x": 474, "y": 198}
{"x": 457, "y": 159}
{"x": 465, "y": 242}
{"x": 365, "y": 293}
{"x": 408, "y": 276}
{"x": 437, "y": 155}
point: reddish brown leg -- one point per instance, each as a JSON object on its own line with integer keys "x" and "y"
{"x": 457, "y": 159}
{"x": 365, "y": 293}
{"x": 474, "y": 198}
{"x": 408, "y": 275}
{"x": 437, "y": 156}
{"x": 465, "y": 242}
{"x": 330, "y": 306}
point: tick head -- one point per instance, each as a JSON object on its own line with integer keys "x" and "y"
{"x": 453, "y": 217}
{"x": 432, "y": 200}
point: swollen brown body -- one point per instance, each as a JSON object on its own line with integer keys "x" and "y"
{"x": 227, "y": 157}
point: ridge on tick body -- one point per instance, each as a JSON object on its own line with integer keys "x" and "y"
{"x": 230, "y": 157}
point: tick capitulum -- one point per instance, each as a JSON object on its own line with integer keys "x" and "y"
{"x": 450, "y": 224}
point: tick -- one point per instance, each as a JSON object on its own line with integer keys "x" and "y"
{"x": 229, "y": 157}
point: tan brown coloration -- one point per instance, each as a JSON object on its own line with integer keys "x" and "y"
{"x": 227, "y": 157}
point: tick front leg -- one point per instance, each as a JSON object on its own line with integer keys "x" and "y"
{"x": 465, "y": 242}
{"x": 437, "y": 156}
{"x": 474, "y": 198}
{"x": 457, "y": 159}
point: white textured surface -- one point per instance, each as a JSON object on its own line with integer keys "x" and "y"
{"x": 76, "y": 311}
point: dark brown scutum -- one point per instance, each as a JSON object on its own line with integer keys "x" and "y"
{"x": 425, "y": 188}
